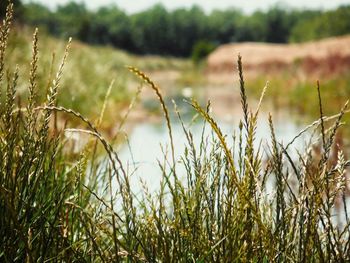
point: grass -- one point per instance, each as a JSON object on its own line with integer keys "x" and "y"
{"x": 298, "y": 94}
{"x": 89, "y": 72}
{"x": 57, "y": 205}
{"x": 288, "y": 91}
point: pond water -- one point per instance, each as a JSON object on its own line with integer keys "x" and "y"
{"x": 149, "y": 142}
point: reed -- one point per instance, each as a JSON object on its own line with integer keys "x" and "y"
{"x": 57, "y": 205}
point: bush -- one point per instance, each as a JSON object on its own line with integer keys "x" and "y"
{"x": 201, "y": 50}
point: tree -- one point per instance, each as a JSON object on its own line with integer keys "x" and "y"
{"x": 39, "y": 15}
{"x": 73, "y": 20}
{"x": 112, "y": 26}
{"x": 201, "y": 50}
{"x": 223, "y": 25}
{"x": 189, "y": 26}
{"x": 159, "y": 31}
{"x": 279, "y": 24}
{"x": 152, "y": 32}
{"x": 252, "y": 28}
{"x": 321, "y": 25}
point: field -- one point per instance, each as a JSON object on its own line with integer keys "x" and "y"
{"x": 89, "y": 73}
{"x": 228, "y": 198}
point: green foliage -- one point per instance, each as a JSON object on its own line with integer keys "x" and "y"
{"x": 223, "y": 25}
{"x": 74, "y": 20}
{"x": 152, "y": 31}
{"x": 112, "y": 26}
{"x": 201, "y": 50}
{"x": 37, "y": 14}
{"x": 159, "y": 31}
{"x": 278, "y": 25}
{"x": 251, "y": 28}
{"x": 296, "y": 92}
{"x": 330, "y": 23}
{"x": 90, "y": 70}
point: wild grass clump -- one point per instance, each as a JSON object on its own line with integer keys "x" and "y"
{"x": 232, "y": 202}
{"x": 88, "y": 73}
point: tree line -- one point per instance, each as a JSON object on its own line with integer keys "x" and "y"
{"x": 180, "y": 32}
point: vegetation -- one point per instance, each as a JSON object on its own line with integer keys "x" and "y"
{"x": 176, "y": 33}
{"x": 290, "y": 92}
{"x": 90, "y": 70}
{"x": 325, "y": 25}
{"x": 201, "y": 50}
{"x": 235, "y": 204}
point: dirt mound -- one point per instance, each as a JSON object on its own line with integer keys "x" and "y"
{"x": 333, "y": 54}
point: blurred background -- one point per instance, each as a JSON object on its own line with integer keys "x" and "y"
{"x": 190, "y": 48}
{"x": 176, "y": 28}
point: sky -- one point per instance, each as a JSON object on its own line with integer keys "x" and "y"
{"x": 248, "y": 6}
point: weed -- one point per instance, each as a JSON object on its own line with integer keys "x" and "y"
{"x": 59, "y": 206}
